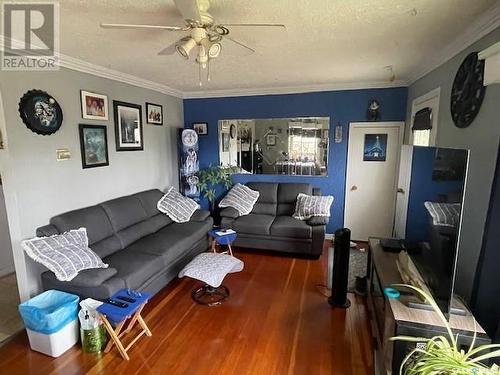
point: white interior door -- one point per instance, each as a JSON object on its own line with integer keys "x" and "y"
{"x": 403, "y": 191}
{"x": 371, "y": 181}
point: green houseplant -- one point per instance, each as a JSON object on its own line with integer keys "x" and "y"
{"x": 213, "y": 177}
{"x": 441, "y": 355}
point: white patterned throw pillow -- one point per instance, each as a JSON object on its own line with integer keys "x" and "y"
{"x": 64, "y": 254}
{"x": 241, "y": 198}
{"x": 308, "y": 206}
{"x": 178, "y": 207}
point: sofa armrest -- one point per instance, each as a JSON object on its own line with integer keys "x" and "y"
{"x": 318, "y": 220}
{"x": 200, "y": 215}
{"x": 46, "y": 231}
{"x": 230, "y": 212}
{"x": 316, "y": 191}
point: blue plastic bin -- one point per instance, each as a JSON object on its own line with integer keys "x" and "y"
{"x": 50, "y": 311}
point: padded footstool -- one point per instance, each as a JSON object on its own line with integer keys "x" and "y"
{"x": 211, "y": 268}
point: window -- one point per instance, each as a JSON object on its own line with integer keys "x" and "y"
{"x": 424, "y": 119}
{"x": 421, "y": 137}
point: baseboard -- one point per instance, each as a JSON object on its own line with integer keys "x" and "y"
{"x": 7, "y": 270}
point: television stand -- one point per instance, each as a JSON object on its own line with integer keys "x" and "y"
{"x": 456, "y": 308}
{"x": 393, "y": 317}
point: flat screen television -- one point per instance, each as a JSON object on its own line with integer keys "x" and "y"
{"x": 434, "y": 217}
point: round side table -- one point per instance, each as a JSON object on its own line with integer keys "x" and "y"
{"x": 225, "y": 239}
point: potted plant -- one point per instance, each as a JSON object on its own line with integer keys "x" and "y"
{"x": 213, "y": 178}
{"x": 441, "y": 355}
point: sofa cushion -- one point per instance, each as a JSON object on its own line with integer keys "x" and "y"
{"x": 124, "y": 212}
{"x": 134, "y": 232}
{"x": 172, "y": 240}
{"x": 94, "y": 219}
{"x": 149, "y": 199}
{"x": 268, "y": 197}
{"x": 107, "y": 246}
{"x": 287, "y": 226}
{"x": 135, "y": 268}
{"x": 287, "y": 196}
{"x": 253, "y": 224}
{"x": 318, "y": 220}
{"x": 93, "y": 277}
{"x": 200, "y": 215}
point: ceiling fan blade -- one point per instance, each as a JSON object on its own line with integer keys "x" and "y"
{"x": 240, "y": 44}
{"x": 279, "y": 25}
{"x": 170, "y": 50}
{"x": 149, "y": 27}
{"x": 189, "y": 9}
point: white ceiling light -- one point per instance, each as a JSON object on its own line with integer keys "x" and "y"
{"x": 185, "y": 46}
{"x": 212, "y": 49}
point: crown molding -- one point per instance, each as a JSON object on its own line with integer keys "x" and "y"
{"x": 82, "y": 66}
{"x": 294, "y": 89}
{"x": 485, "y": 24}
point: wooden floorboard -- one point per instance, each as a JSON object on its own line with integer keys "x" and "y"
{"x": 276, "y": 321}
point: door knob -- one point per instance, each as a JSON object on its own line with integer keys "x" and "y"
{"x": 401, "y": 190}
{"x": 354, "y": 187}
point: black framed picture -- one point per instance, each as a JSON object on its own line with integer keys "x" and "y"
{"x": 128, "y": 126}
{"x": 40, "y": 112}
{"x": 94, "y": 145}
{"x": 201, "y": 128}
{"x": 154, "y": 114}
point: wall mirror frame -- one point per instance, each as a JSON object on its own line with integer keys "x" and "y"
{"x": 296, "y": 146}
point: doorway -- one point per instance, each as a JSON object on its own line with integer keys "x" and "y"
{"x": 371, "y": 180}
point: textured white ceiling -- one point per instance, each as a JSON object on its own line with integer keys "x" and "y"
{"x": 326, "y": 41}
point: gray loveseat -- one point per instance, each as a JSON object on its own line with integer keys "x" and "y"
{"x": 145, "y": 250}
{"x": 271, "y": 226}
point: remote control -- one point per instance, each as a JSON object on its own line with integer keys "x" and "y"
{"x": 126, "y": 299}
{"x": 115, "y": 303}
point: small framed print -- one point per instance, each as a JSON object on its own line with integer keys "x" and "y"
{"x": 94, "y": 146}
{"x": 201, "y": 128}
{"x": 375, "y": 148}
{"x": 271, "y": 140}
{"x": 94, "y": 106}
{"x": 154, "y": 114}
{"x": 128, "y": 126}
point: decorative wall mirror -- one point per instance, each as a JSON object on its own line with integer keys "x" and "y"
{"x": 289, "y": 146}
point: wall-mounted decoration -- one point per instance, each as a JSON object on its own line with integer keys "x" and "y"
{"x": 189, "y": 163}
{"x": 201, "y": 128}
{"x": 373, "y": 111}
{"x": 63, "y": 154}
{"x": 94, "y": 146}
{"x": 232, "y": 131}
{"x": 338, "y": 133}
{"x": 128, "y": 126}
{"x": 375, "y": 147}
{"x": 468, "y": 91}
{"x": 271, "y": 140}
{"x": 40, "y": 112}
{"x": 225, "y": 142}
{"x": 94, "y": 106}
{"x": 154, "y": 114}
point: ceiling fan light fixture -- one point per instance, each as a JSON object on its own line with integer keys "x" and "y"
{"x": 185, "y": 46}
{"x": 211, "y": 49}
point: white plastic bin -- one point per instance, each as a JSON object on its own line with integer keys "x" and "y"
{"x": 56, "y": 343}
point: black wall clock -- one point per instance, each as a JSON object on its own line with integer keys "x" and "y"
{"x": 40, "y": 112}
{"x": 468, "y": 91}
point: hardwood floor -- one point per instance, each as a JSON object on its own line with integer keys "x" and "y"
{"x": 276, "y": 321}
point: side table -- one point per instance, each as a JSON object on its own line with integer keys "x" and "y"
{"x": 222, "y": 239}
{"x": 117, "y": 316}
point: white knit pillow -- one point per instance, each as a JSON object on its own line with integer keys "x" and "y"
{"x": 178, "y": 207}
{"x": 241, "y": 198}
{"x": 308, "y": 206}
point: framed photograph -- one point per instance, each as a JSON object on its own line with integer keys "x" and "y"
{"x": 271, "y": 140}
{"x": 128, "y": 126}
{"x": 375, "y": 147}
{"x": 154, "y": 114}
{"x": 94, "y": 146}
{"x": 201, "y": 128}
{"x": 94, "y": 106}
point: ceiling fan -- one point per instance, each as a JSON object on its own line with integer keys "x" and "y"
{"x": 205, "y": 35}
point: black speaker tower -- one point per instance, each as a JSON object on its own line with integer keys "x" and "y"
{"x": 342, "y": 245}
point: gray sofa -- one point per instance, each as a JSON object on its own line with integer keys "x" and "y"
{"x": 271, "y": 226}
{"x": 145, "y": 250}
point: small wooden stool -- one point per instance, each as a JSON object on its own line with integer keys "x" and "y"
{"x": 222, "y": 239}
{"x": 118, "y": 316}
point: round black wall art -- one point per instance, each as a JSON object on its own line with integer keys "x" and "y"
{"x": 40, "y": 112}
{"x": 468, "y": 91}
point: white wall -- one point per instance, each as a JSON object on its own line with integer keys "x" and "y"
{"x": 38, "y": 187}
{"x": 6, "y": 258}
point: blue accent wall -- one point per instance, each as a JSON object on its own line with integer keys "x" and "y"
{"x": 341, "y": 106}
{"x": 424, "y": 189}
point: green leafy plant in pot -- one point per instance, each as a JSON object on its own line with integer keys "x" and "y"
{"x": 212, "y": 178}
{"x": 441, "y": 355}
